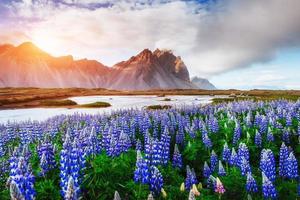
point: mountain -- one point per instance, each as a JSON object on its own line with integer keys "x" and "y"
{"x": 202, "y": 83}
{"x": 28, "y": 66}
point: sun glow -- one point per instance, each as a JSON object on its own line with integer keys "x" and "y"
{"x": 47, "y": 44}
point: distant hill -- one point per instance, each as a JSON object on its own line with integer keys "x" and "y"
{"x": 202, "y": 83}
{"x": 28, "y": 66}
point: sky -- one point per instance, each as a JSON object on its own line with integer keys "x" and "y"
{"x": 241, "y": 44}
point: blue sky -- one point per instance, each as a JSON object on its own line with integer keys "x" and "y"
{"x": 242, "y": 44}
{"x": 280, "y": 73}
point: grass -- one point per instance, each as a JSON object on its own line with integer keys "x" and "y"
{"x": 97, "y": 104}
{"x": 158, "y": 107}
{"x": 65, "y": 102}
{"x": 166, "y": 99}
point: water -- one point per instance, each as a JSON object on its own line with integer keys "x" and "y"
{"x": 117, "y": 102}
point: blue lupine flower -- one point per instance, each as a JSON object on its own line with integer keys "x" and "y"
{"x": 243, "y": 152}
{"x": 213, "y": 160}
{"x": 46, "y": 155}
{"x": 165, "y": 142}
{"x": 244, "y": 166}
{"x": 267, "y": 164}
{"x": 190, "y": 179}
{"x": 251, "y": 185}
{"x": 156, "y": 181}
{"x": 205, "y": 139}
{"x": 283, "y": 156}
{"x": 286, "y": 136}
{"x": 206, "y": 170}
{"x": 237, "y": 133}
{"x": 138, "y": 167}
{"x": 270, "y": 136}
{"x": 71, "y": 193}
{"x": 292, "y": 166}
{"x": 221, "y": 170}
{"x": 233, "y": 158}
{"x": 258, "y": 139}
{"x": 268, "y": 189}
{"x": 139, "y": 145}
{"x": 156, "y": 153}
{"x": 226, "y": 153}
{"x": 177, "y": 159}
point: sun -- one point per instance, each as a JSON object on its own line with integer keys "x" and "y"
{"x": 46, "y": 44}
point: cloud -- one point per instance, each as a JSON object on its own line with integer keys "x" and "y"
{"x": 212, "y": 38}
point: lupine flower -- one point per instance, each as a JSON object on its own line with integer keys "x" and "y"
{"x": 117, "y": 196}
{"x": 268, "y": 189}
{"x": 292, "y": 166}
{"x": 237, "y": 133}
{"x": 156, "y": 153}
{"x": 191, "y": 195}
{"x": 251, "y": 185}
{"x": 226, "y": 153}
{"x": 206, "y": 170}
{"x": 150, "y": 197}
{"x": 270, "y": 136}
{"x": 213, "y": 160}
{"x": 205, "y": 139}
{"x": 258, "y": 139}
{"x": 221, "y": 170}
{"x": 139, "y": 145}
{"x": 233, "y": 158}
{"x": 156, "y": 181}
{"x": 70, "y": 194}
{"x": 219, "y": 188}
{"x": 165, "y": 142}
{"x": 15, "y": 193}
{"x": 243, "y": 152}
{"x": 190, "y": 178}
{"x": 244, "y": 166}
{"x": 177, "y": 159}
{"x": 138, "y": 167}
{"x": 286, "y": 136}
{"x": 267, "y": 164}
{"x": 283, "y": 156}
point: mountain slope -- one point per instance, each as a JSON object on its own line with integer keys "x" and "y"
{"x": 28, "y": 66}
{"x": 202, "y": 83}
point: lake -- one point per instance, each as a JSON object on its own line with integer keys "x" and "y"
{"x": 117, "y": 102}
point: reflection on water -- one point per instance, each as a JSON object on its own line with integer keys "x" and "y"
{"x": 117, "y": 102}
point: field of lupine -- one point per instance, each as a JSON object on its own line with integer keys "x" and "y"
{"x": 238, "y": 150}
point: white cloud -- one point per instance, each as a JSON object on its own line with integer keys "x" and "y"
{"x": 230, "y": 34}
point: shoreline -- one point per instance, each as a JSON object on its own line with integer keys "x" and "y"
{"x": 17, "y": 98}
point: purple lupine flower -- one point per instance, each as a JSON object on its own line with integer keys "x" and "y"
{"x": 139, "y": 145}
{"x": 206, "y": 170}
{"x": 267, "y": 164}
{"x": 244, "y": 166}
{"x": 156, "y": 153}
{"x": 268, "y": 189}
{"x": 190, "y": 179}
{"x": 177, "y": 159}
{"x": 226, "y": 153}
{"x": 270, "y": 136}
{"x": 251, "y": 185}
{"x": 237, "y": 133}
{"x": 258, "y": 139}
{"x": 243, "y": 152}
{"x": 292, "y": 166}
{"x": 221, "y": 170}
{"x": 233, "y": 158}
{"x": 165, "y": 142}
{"x": 71, "y": 193}
{"x": 205, "y": 139}
{"x": 138, "y": 167}
{"x": 213, "y": 160}
{"x": 283, "y": 156}
{"x": 46, "y": 155}
{"x": 156, "y": 181}
{"x": 286, "y": 136}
